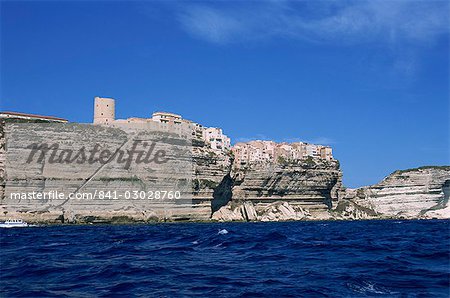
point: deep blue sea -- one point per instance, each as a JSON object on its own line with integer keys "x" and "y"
{"x": 310, "y": 259}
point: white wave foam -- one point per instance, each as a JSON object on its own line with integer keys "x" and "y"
{"x": 368, "y": 287}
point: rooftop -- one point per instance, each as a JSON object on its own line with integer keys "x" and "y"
{"x": 17, "y": 114}
{"x": 166, "y": 114}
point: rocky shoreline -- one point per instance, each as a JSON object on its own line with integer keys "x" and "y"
{"x": 132, "y": 221}
{"x": 355, "y": 204}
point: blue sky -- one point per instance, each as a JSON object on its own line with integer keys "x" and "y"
{"x": 371, "y": 79}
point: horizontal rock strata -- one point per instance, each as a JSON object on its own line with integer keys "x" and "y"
{"x": 305, "y": 189}
{"x": 414, "y": 193}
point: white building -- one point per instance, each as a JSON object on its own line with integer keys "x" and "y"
{"x": 215, "y": 138}
{"x": 312, "y": 150}
{"x": 254, "y": 151}
{"x": 165, "y": 117}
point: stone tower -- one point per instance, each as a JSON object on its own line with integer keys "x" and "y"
{"x": 104, "y": 110}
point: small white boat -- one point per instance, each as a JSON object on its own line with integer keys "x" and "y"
{"x": 13, "y": 223}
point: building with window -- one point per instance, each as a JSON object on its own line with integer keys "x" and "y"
{"x": 215, "y": 138}
{"x": 104, "y": 114}
{"x": 269, "y": 151}
{"x": 165, "y": 117}
{"x": 326, "y": 152}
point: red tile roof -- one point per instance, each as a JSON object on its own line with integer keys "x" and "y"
{"x": 33, "y": 116}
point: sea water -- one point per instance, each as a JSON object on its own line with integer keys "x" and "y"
{"x": 311, "y": 259}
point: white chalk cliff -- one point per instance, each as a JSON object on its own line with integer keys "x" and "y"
{"x": 307, "y": 189}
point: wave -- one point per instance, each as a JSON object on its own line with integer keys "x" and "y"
{"x": 343, "y": 259}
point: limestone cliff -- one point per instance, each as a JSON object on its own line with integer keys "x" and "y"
{"x": 209, "y": 183}
{"x": 110, "y": 183}
{"x": 2, "y": 158}
{"x": 414, "y": 193}
{"x": 311, "y": 186}
{"x": 267, "y": 191}
{"x": 305, "y": 189}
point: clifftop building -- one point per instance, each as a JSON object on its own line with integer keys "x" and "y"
{"x": 213, "y": 137}
{"x": 104, "y": 110}
{"x": 164, "y": 117}
{"x": 104, "y": 114}
{"x": 269, "y": 151}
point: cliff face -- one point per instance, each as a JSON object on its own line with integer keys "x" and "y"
{"x": 206, "y": 171}
{"x": 113, "y": 190}
{"x": 265, "y": 191}
{"x": 304, "y": 193}
{"x": 2, "y": 158}
{"x": 313, "y": 183}
{"x": 310, "y": 186}
{"x": 307, "y": 188}
{"x": 211, "y": 184}
{"x": 414, "y": 193}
